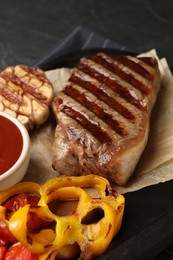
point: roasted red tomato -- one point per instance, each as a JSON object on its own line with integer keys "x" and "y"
{"x": 5, "y": 234}
{"x": 3, "y": 252}
{"x": 17, "y": 202}
{"x": 36, "y": 224}
{"x": 19, "y": 252}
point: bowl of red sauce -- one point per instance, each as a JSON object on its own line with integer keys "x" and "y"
{"x": 14, "y": 150}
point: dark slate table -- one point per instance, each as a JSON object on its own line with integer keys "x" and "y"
{"x": 28, "y": 29}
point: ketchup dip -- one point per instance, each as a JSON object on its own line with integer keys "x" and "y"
{"x": 11, "y": 144}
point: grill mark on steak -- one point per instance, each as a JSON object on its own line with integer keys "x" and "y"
{"x": 78, "y": 78}
{"x": 150, "y": 62}
{"x": 135, "y": 64}
{"x": 95, "y": 108}
{"x": 125, "y": 92}
{"x": 83, "y": 119}
{"x": 136, "y": 80}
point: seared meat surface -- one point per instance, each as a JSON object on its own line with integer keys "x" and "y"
{"x": 103, "y": 116}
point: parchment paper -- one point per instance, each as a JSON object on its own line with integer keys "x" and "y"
{"x": 156, "y": 164}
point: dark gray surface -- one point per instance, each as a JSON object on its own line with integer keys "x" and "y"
{"x": 28, "y": 29}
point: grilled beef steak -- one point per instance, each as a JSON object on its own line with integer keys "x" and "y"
{"x": 103, "y": 116}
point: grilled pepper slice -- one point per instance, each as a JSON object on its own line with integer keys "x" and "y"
{"x": 84, "y": 214}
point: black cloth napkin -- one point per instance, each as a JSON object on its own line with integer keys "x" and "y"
{"x": 80, "y": 39}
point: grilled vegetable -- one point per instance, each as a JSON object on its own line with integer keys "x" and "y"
{"x": 25, "y": 93}
{"x": 66, "y": 217}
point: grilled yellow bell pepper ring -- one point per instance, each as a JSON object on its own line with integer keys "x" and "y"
{"x": 85, "y": 231}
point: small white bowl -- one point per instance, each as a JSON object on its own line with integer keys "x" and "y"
{"x": 15, "y": 174}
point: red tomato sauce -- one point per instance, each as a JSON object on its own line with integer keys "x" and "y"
{"x": 11, "y": 143}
